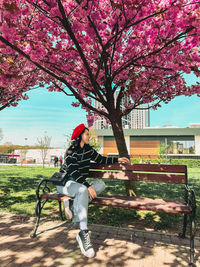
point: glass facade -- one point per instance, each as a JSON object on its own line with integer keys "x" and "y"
{"x": 171, "y": 144}
{"x": 180, "y": 147}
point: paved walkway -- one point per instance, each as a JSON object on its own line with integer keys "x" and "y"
{"x": 114, "y": 246}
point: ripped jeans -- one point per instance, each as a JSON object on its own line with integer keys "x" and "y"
{"x": 80, "y": 194}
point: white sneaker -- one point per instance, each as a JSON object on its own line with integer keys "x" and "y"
{"x": 67, "y": 203}
{"x": 84, "y": 242}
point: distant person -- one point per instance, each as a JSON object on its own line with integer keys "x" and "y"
{"x": 76, "y": 165}
{"x": 60, "y": 160}
{"x": 55, "y": 161}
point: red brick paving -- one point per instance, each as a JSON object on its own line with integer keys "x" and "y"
{"x": 56, "y": 246}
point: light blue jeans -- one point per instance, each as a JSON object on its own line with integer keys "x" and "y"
{"x": 80, "y": 194}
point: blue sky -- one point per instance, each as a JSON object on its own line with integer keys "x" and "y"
{"x": 45, "y": 112}
{"x": 51, "y": 113}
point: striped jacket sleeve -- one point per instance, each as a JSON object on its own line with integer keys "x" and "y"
{"x": 71, "y": 166}
{"x": 98, "y": 158}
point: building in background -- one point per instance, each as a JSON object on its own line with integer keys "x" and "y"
{"x": 140, "y": 118}
{"x": 141, "y": 143}
{"x": 34, "y": 155}
{"x": 137, "y": 119}
{"x": 194, "y": 125}
{"x": 146, "y": 143}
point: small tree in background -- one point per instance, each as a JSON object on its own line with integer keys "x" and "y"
{"x": 43, "y": 144}
{"x": 68, "y": 140}
{"x": 94, "y": 141}
{"x": 8, "y": 147}
{"x": 163, "y": 152}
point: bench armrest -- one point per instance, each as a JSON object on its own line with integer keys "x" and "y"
{"x": 43, "y": 186}
{"x": 191, "y": 201}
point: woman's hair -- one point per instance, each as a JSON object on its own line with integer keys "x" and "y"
{"x": 75, "y": 144}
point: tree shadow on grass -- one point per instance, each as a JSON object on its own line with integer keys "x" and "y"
{"x": 158, "y": 221}
{"x": 17, "y": 194}
{"x": 156, "y": 190}
{"x": 20, "y": 192}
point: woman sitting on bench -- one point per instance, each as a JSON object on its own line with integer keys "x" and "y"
{"x": 77, "y": 164}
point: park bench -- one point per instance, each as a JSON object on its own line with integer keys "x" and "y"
{"x": 176, "y": 174}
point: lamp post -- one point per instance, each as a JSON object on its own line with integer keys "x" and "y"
{"x": 25, "y": 141}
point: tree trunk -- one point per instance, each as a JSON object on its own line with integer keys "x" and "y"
{"x": 122, "y": 149}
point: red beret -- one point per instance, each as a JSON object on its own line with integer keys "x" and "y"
{"x": 77, "y": 131}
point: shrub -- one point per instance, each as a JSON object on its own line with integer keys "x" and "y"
{"x": 191, "y": 163}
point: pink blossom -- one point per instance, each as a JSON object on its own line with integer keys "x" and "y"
{"x": 99, "y": 45}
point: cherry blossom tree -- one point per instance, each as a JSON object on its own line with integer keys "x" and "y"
{"x": 93, "y": 49}
{"x": 16, "y": 78}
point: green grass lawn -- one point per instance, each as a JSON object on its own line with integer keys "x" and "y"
{"x": 17, "y": 195}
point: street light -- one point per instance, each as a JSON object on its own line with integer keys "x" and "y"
{"x": 25, "y": 141}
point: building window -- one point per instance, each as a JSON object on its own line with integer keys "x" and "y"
{"x": 180, "y": 147}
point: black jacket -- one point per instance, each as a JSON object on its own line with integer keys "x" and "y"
{"x": 77, "y": 163}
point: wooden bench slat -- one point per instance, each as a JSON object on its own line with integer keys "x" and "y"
{"x": 141, "y": 167}
{"x": 160, "y": 168}
{"x": 127, "y": 175}
{"x": 136, "y": 203}
{"x": 54, "y": 196}
{"x": 143, "y": 204}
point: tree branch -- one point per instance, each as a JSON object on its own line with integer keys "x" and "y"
{"x": 130, "y": 62}
{"x": 127, "y": 111}
{"x": 133, "y": 24}
{"x": 97, "y": 34}
{"x": 53, "y": 75}
{"x": 59, "y": 88}
{"x": 11, "y": 100}
{"x": 43, "y": 11}
{"x": 67, "y": 27}
{"x": 55, "y": 66}
{"x": 119, "y": 97}
{"x": 114, "y": 45}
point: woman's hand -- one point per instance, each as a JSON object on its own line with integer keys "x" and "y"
{"x": 92, "y": 192}
{"x": 124, "y": 160}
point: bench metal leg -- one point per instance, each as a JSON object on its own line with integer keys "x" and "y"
{"x": 192, "y": 235}
{"x": 38, "y": 210}
{"x": 182, "y": 235}
{"x": 60, "y": 210}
